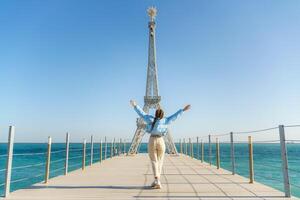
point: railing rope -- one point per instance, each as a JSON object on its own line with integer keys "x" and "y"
{"x": 232, "y": 154}
{"x": 10, "y": 148}
{"x": 83, "y": 153}
{"x": 47, "y": 171}
{"x": 67, "y": 153}
{"x": 285, "y": 171}
{"x": 251, "y": 170}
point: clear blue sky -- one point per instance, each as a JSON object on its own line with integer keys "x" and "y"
{"x": 74, "y": 65}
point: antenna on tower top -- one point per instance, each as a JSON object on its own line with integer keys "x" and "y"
{"x": 152, "y": 12}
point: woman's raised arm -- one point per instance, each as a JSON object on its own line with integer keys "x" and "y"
{"x": 140, "y": 112}
{"x": 177, "y": 114}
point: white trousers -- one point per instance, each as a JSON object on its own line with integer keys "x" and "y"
{"x": 156, "y": 151}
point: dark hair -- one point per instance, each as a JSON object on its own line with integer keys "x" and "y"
{"x": 159, "y": 114}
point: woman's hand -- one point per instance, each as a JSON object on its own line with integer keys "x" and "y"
{"x": 187, "y": 107}
{"x": 133, "y": 103}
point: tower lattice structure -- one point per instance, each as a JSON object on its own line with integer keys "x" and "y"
{"x": 152, "y": 98}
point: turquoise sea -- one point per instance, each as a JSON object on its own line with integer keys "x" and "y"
{"x": 29, "y": 162}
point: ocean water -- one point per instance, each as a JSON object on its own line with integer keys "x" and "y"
{"x": 29, "y": 162}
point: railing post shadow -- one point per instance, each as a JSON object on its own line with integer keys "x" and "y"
{"x": 251, "y": 170}
{"x": 67, "y": 153}
{"x": 10, "y": 149}
{"x": 284, "y": 157}
{"x": 47, "y": 172}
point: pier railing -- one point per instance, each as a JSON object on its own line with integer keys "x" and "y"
{"x": 48, "y": 162}
{"x": 235, "y": 152}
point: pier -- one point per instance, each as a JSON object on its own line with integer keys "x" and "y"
{"x": 105, "y": 170}
{"x": 129, "y": 177}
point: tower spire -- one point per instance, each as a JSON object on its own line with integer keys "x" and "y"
{"x": 152, "y": 13}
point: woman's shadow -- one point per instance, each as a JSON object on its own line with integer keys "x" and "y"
{"x": 113, "y": 187}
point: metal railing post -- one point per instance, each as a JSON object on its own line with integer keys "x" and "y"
{"x": 105, "y": 150}
{"x": 92, "y": 150}
{"x": 183, "y": 144}
{"x": 209, "y": 149}
{"x": 10, "y": 149}
{"x": 192, "y": 149}
{"x": 100, "y": 150}
{"x": 67, "y": 153}
{"x": 217, "y": 153}
{"x": 232, "y": 154}
{"x": 186, "y": 147}
{"x": 251, "y": 170}
{"x": 119, "y": 147}
{"x": 114, "y": 147}
{"x": 83, "y": 153}
{"x": 111, "y": 149}
{"x": 180, "y": 142}
{"x": 124, "y": 147}
{"x": 190, "y": 145}
{"x": 284, "y": 157}
{"x": 198, "y": 149}
{"x": 202, "y": 151}
{"x": 47, "y": 172}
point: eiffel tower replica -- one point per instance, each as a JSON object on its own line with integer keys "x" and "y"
{"x": 152, "y": 98}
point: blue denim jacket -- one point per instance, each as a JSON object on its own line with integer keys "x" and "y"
{"x": 161, "y": 125}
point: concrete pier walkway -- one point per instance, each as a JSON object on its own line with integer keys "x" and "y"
{"x": 129, "y": 177}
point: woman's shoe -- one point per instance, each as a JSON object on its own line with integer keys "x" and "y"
{"x": 158, "y": 186}
{"x": 154, "y": 184}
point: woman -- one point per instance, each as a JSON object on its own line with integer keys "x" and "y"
{"x": 157, "y": 126}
